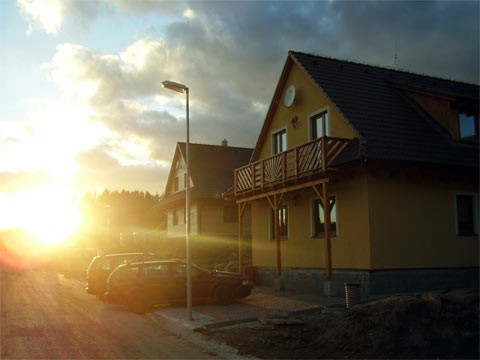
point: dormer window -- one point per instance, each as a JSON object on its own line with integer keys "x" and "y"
{"x": 468, "y": 125}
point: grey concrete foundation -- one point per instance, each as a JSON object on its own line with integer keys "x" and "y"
{"x": 279, "y": 284}
{"x": 372, "y": 282}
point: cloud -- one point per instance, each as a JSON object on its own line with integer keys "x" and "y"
{"x": 122, "y": 177}
{"x": 46, "y": 14}
{"x": 146, "y": 6}
{"x": 16, "y": 181}
{"x": 50, "y": 15}
{"x": 80, "y": 73}
{"x": 96, "y": 159}
{"x": 230, "y": 55}
{"x": 438, "y": 38}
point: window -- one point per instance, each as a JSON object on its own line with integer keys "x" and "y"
{"x": 468, "y": 125}
{"x": 175, "y": 184}
{"x": 466, "y": 215}
{"x": 282, "y": 222}
{"x": 279, "y": 141}
{"x": 318, "y": 217}
{"x": 230, "y": 214}
{"x": 319, "y": 125}
{"x": 155, "y": 271}
{"x": 177, "y": 270}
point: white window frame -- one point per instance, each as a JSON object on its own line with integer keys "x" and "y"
{"x": 271, "y": 223}
{"x": 316, "y": 114}
{"x": 312, "y": 216}
{"x": 475, "y": 212}
{"x": 276, "y": 132}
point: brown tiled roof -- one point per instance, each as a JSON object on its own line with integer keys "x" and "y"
{"x": 211, "y": 169}
{"x": 390, "y": 126}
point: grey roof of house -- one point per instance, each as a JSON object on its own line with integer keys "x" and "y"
{"x": 211, "y": 169}
{"x": 391, "y": 127}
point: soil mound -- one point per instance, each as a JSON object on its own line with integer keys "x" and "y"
{"x": 424, "y": 326}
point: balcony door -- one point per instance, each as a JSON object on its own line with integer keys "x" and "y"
{"x": 319, "y": 125}
{"x": 279, "y": 141}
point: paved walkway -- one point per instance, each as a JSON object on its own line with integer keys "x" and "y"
{"x": 262, "y": 301}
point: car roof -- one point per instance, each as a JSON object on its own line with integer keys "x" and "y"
{"x": 154, "y": 262}
{"x": 128, "y": 254}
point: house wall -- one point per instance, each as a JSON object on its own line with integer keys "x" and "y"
{"x": 412, "y": 224}
{"x": 308, "y": 101}
{"x": 179, "y": 171}
{"x": 212, "y": 220}
{"x": 350, "y": 246}
{"x": 393, "y": 231}
{"x": 179, "y": 229}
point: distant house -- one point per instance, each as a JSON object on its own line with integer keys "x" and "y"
{"x": 367, "y": 175}
{"x": 214, "y": 220}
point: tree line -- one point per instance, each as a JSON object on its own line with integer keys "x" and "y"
{"x": 121, "y": 209}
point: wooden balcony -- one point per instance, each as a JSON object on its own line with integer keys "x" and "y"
{"x": 290, "y": 165}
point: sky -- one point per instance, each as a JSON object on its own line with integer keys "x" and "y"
{"x": 82, "y": 107}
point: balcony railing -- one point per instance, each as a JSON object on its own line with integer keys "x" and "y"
{"x": 292, "y": 164}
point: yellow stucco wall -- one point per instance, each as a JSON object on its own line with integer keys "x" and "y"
{"x": 350, "y": 246}
{"x": 309, "y": 100}
{"x": 384, "y": 222}
{"x": 412, "y": 224}
{"x": 212, "y": 220}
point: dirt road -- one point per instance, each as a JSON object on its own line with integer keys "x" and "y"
{"x": 44, "y": 315}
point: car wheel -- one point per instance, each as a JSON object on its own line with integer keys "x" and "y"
{"x": 223, "y": 295}
{"x": 138, "y": 303}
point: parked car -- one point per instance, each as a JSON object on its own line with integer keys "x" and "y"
{"x": 102, "y": 266}
{"x": 140, "y": 285}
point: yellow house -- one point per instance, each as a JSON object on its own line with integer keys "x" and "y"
{"x": 366, "y": 175}
{"x": 213, "y": 220}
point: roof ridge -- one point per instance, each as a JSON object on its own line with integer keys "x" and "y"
{"x": 385, "y": 68}
{"x": 216, "y": 146}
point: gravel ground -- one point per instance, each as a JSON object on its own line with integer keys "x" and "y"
{"x": 424, "y": 326}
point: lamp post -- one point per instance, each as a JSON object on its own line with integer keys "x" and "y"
{"x": 183, "y": 89}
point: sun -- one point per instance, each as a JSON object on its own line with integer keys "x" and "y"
{"x": 55, "y": 225}
{"x": 49, "y": 214}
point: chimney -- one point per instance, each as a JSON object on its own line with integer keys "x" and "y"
{"x": 224, "y": 142}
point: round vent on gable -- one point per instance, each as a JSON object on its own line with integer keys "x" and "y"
{"x": 289, "y": 96}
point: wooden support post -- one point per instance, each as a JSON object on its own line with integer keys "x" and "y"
{"x": 326, "y": 219}
{"x": 324, "y": 151}
{"x": 277, "y": 241}
{"x": 241, "y": 257}
{"x": 275, "y": 205}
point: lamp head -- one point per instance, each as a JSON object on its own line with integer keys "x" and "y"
{"x": 174, "y": 86}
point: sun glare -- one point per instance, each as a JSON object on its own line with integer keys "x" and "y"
{"x": 49, "y": 215}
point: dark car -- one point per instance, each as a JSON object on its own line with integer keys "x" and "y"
{"x": 141, "y": 285}
{"x": 102, "y": 266}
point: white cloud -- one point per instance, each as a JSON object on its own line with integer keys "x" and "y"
{"x": 46, "y": 14}
{"x": 230, "y": 55}
{"x": 189, "y": 14}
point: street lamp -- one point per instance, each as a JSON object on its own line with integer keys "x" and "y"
{"x": 183, "y": 89}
